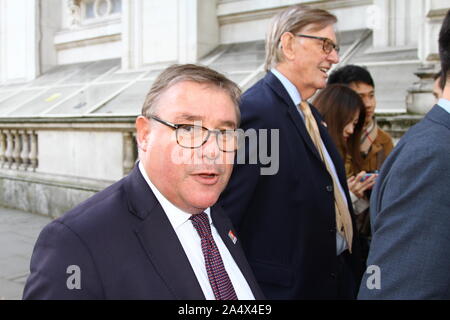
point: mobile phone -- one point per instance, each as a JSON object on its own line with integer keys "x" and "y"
{"x": 367, "y": 176}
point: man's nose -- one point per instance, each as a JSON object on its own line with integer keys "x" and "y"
{"x": 210, "y": 148}
{"x": 368, "y": 103}
{"x": 333, "y": 57}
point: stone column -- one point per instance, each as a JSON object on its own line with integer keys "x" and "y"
{"x": 156, "y": 31}
{"x": 198, "y": 29}
{"x": 128, "y": 154}
{"x": 381, "y": 36}
{"x": 25, "y": 154}
{"x": 19, "y": 43}
{"x": 33, "y": 150}
{"x": 420, "y": 99}
{"x": 132, "y": 34}
{"x": 9, "y": 149}
{"x": 17, "y": 149}
{"x": 2, "y": 149}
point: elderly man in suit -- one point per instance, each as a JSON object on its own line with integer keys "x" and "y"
{"x": 297, "y": 225}
{"x": 157, "y": 233}
{"x": 410, "y": 207}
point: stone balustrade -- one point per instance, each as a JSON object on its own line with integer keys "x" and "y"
{"x": 18, "y": 149}
{"x": 49, "y": 165}
{"x": 129, "y": 151}
{"x": 20, "y": 141}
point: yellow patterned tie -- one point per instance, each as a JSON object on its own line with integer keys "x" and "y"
{"x": 343, "y": 218}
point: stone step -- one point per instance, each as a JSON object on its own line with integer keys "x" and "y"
{"x": 397, "y": 125}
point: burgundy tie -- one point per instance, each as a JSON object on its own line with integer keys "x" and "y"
{"x": 217, "y": 275}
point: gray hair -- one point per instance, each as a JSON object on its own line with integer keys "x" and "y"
{"x": 190, "y": 72}
{"x": 294, "y": 19}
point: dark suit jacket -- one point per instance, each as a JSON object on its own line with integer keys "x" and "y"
{"x": 287, "y": 221}
{"x": 125, "y": 247}
{"x": 410, "y": 214}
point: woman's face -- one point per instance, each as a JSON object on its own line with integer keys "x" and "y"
{"x": 350, "y": 127}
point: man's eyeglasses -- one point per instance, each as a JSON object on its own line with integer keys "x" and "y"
{"x": 328, "y": 45}
{"x": 193, "y": 136}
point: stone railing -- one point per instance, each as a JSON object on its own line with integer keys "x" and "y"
{"x": 49, "y": 165}
{"x": 129, "y": 150}
{"x": 18, "y": 149}
{"x": 21, "y": 139}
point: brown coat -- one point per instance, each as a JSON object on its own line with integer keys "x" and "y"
{"x": 379, "y": 151}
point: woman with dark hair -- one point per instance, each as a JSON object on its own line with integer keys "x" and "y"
{"x": 344, "y": 113}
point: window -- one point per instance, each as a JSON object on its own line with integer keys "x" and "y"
{"x": 100, "y": 9}
{"x": 91, "y": 11}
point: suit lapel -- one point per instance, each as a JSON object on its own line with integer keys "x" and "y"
{"x": 160, "y": 241}
{"x": 279, "y": 90}
{"x": 293, "y": 113}
{"x": 163, "y": 248}
{"x": 223, "y": 226}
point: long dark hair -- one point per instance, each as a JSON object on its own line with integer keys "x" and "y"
{"x": 338, "y": 105}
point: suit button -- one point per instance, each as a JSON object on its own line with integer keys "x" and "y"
{"x": 330, "y": 188}
{"x": 332, "y": 230}
{"x": 333, "y": 275}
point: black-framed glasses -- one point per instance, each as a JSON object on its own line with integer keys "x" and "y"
{"x": 192, "y": 136}
{"x": 327, "y": 44}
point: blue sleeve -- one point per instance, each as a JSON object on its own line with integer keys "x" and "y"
{"x": 62, "y": 267}
{"x": 411, "y": 238}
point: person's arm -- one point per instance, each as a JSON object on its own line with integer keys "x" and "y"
{"x": 62, "y": 267}
{"x": 359, "y": 204}
{"x": 410, "y": 229}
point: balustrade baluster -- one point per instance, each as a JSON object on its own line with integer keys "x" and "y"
{"x": 25, "y": 154}
{"x": 128, "y": 162}
{"x": 9, "y": 149}
{"x": 33, "y": 150}
{"x": 2, "y": 148}
{"x": 17, "y": 149}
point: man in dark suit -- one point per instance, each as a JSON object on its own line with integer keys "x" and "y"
{"x": 296, "y": 226}
{"x": 410, "y": 207}
{"x": 157, "y": 233}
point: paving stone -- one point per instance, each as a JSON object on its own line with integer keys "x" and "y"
{"x": 10, "y": 290}
{"x": 18, "y": 233}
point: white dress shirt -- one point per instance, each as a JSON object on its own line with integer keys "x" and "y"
{"x": 444, "y": 104}
{"x": 191, "y": 242}
{"x": 341, "y": 244}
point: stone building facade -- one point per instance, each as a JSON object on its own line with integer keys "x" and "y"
{"x": 74, "y": 74}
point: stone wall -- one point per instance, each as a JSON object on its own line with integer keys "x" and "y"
{"x": 50, "y": 165}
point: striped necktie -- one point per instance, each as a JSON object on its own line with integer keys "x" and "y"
{"x": 343, "y": 218}
{"x": 217, "y": 275}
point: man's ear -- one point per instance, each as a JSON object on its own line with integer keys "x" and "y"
{"x": 446, "y": 91}
{"x": 287, "y": 45}
{"x": 142, "y": 132}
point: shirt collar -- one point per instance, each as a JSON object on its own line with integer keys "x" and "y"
{"x": 445, "y": 104}
{"x": 289, "y": 86}
{"x": 176, "y": 216}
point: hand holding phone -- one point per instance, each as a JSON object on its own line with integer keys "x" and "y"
{"x": 368, "y": 175}
{"x": 361, "y": 182}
